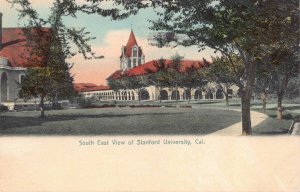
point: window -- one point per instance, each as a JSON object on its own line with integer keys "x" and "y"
{"x": 134, "y": 62}
{"x": 129, "y": 63}
{"x": 134, "y": 50}
{"x": 21, "y": 78}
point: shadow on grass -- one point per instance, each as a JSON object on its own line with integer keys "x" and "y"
{"x": 273, "y": 126}
{"x": 179, "y": 123}
{"x": 19, "y": 122}
{"x": 207, "y": 102}
{"x": 283, "y": 132}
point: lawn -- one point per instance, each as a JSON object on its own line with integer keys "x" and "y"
{"x": 118, "y": 121}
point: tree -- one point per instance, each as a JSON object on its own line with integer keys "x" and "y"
{"x": 283, "y": 72}
{"x": 194, "y": 77}
{"x": 225, "y": 73}
{"x": 159, "y": 77}
{"x": 243, "y": 27}
{"x": 137, "y": 83}
{"x": 116, "y": 85}
{"x": 263, "y": 82}
{"x": 293, "y": 88}
{"x": 52, "y": 79}
{"x": 175, "y": 76}
{"x": 39, "y": 78}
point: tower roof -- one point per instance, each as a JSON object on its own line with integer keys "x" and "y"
{"x": 130, "y": 43}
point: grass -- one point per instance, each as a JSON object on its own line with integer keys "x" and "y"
{"x": 272, "y": 126}
{"x": 118, "y": 121}
{"x": 146, "y": 118}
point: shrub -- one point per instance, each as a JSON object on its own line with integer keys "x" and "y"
{"x": 3, "y": 108}
{"x": 297, "y": 118}
{"x": 84, "y": 103}
{"x": 56, "y": 106}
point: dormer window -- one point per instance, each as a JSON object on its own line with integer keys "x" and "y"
{"x": 134, "y": 50}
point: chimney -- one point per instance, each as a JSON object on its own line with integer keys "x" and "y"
{"x": 0, "y": 31}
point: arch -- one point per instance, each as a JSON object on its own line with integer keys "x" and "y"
{"x": 174, "y": 95}
{"x": 132, "y": 96}
{"x": 129, "y": 95}
{"x": 198, "y": 94}
{"x": 125, "y": 95}
{"x": 219, "y": 94}
{"x": 209, "y": 95}
{"x": 4, "y": 87}
{"x": 163, "y": 95}
{"x": 145, "y": 95}
{"x": 187, "y": 94}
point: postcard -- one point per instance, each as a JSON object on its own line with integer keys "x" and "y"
{"x": 180, "y": 95}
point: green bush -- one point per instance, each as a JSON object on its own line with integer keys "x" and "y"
{"x": 3, "y": 108}
{"x": 84, "y": 103}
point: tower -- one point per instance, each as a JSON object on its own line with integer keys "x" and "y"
{"x": 131, "y": 54}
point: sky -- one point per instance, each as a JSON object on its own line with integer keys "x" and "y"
{"x": 110, "y": 36}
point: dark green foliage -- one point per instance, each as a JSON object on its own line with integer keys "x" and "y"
{"x": 293, "y": 88}
{"x": 3, "y": 108}
{"x": 84, "y": 103}
{"x": 249, "y": 29}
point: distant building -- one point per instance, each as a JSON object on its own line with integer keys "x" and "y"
{"x": 132, "y": 62}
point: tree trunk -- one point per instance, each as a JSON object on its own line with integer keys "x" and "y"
{"x": 279, "y": 105}
{"x": 42, "y": 107}
{"x": 190, "y": 96}
{"x": 140, "y": 95}
{"x": 176, "y": 94}
{"x": 160, "y": 94}
{"x": 246, "y": 116}
{"x": 246, "y": 90}
{"x": 264, "y": 100}
{"x": 226, "y": 98}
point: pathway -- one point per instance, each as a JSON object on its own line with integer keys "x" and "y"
{"x": 236, "y": 129}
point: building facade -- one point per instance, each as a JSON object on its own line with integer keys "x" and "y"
{"x": 13, "y": 63}
{"x": 132, "y": 62}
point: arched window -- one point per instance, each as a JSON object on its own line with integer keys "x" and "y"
{"x": 134, "y": 52}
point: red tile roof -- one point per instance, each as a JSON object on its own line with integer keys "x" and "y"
{"x": 84, "y": 87}
{"x": 130, "y": 43}
{"x": 14, "y": 48}
{"x": 150, "y": 67}
{"x": 116, "y": 75}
